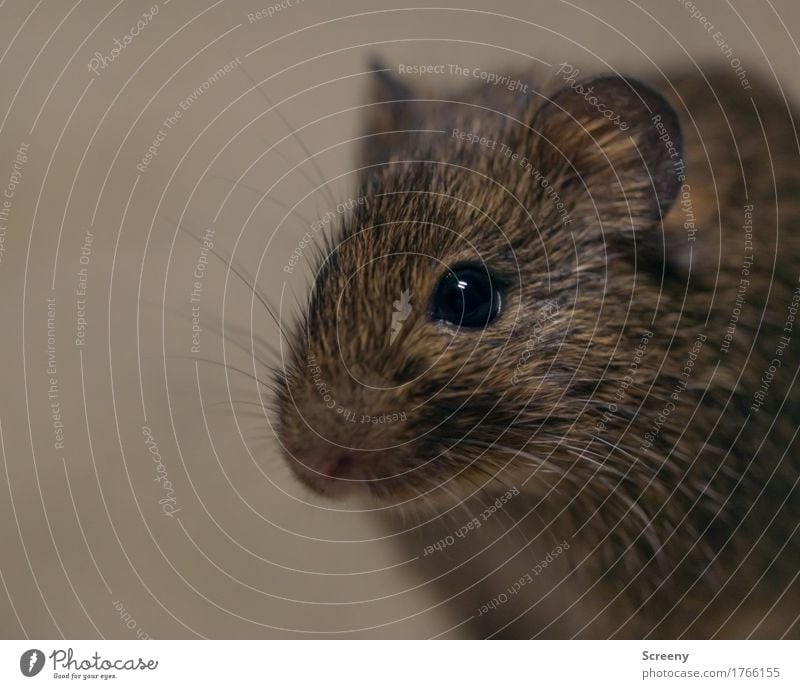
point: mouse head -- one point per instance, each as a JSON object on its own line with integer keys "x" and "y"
{"x": 481, "y": 301}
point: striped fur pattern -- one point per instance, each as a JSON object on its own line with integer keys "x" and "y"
{"x": 619, "y": 387}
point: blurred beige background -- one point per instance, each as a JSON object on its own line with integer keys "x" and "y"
{"x": 98, "y": 383}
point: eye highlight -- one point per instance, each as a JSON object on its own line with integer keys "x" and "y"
{"x": 467, "y": 296}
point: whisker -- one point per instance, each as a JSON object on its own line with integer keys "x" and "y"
{"x": 269, "y": 386}
{"x": 244, "y": 185}
{"x": 259, "y": 88}
{"x": 249, "y": 283}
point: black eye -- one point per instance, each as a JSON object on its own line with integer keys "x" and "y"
{"x": 467, "y": 296}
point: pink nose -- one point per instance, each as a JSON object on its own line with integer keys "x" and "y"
{"x": 324, "y": 466}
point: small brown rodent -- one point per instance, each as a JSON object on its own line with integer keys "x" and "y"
{"x": 580, "y": 299}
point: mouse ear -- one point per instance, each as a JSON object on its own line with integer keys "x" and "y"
{"x": 619, "y": 142}
{"x": 391, "y": 108}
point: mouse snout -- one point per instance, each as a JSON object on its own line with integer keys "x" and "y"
{"x": 324, "y": 460}
{"x": 343, "y": 426}
{"x": 326, "y": 466}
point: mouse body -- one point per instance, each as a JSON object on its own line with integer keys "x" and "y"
{"x": 568, "y": 318}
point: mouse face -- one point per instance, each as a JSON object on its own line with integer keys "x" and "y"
{"x": 466, "y": 320}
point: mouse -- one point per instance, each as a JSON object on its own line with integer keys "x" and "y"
{"x": 553, "y": 344}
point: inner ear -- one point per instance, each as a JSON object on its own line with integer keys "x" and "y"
{"x": 391, "y": 109}
{"x": 621, "y": 141}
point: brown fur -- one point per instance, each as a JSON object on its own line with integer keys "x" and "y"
{"x": 668, "y": 540}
